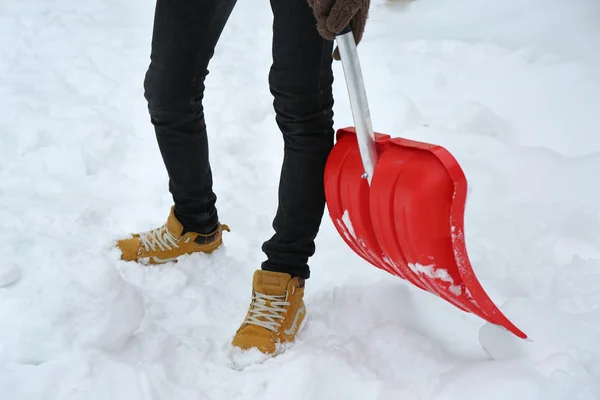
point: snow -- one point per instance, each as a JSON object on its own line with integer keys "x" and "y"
{"x": 347, "y": 224}
{"x": 9, "y": 274}
{"x": 510, "y": 87}
{"x": 436, "y": 273}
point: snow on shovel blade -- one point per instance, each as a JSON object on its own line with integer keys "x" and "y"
{"x": 409, "y": 222}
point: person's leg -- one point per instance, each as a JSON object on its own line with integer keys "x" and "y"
{"x": 301, "y": 81}
{"x": 184, "y": 37}
{"x": 183, "y": 41}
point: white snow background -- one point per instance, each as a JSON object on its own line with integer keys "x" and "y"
{"x": 510, "y": 87}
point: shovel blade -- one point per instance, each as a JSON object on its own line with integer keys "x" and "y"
{"x": 409, "y": 222}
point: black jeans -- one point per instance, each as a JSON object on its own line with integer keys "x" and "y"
{"x": 185, "y": 35}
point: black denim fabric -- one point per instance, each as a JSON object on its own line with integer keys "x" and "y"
{"x": 300, "y": 79}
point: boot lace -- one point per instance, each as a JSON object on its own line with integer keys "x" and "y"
{"x": 159, "y": 237}
{"x": 270, "y": 314}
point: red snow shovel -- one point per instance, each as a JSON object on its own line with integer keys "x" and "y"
{"x": 399, "y": 204}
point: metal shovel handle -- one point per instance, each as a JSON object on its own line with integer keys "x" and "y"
{"x": 358, "y": 100}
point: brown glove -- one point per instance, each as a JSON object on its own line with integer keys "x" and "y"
{"x": 334, "y": 15}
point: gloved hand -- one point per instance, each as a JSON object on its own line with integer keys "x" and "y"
{"x": 334, "y": 15}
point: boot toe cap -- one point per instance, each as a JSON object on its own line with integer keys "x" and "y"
{"x": 265, "y": 343}
{"x": 129, "y": 248}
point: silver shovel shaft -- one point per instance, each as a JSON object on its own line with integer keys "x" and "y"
{"x": 358, "y": 101}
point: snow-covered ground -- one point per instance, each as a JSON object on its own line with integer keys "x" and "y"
{"x": 510, "y": 87}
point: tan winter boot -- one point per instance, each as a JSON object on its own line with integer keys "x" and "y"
{"x": 277, "y": 313}
{"x": 165, "y": 244}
